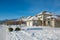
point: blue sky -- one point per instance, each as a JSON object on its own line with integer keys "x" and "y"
{"x": 10, "y": 9}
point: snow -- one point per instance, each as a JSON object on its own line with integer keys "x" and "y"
{"x": 29, "y": 17}
{"x": 52, "y": 17}
{"x": 45, "y": 13}
{"x": 20, "y": 35}
{"x": 3, "y": 32}
{"x": 33, "y": 18}
{"x": 39, "y": 16}
{"x": 48, "y": 13}
{"x": 45, "y": 33}
{"x": 25, "y": 19}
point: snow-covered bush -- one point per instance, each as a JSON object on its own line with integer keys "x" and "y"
{"x": 17, "y": 29}
{"x": 10, "y": 29}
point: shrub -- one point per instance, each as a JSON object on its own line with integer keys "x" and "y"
{"x": 17, "y": 29}
{"x": 10, "y": 29}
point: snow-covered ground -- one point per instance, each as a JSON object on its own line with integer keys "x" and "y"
{"x": 29, "y": 33}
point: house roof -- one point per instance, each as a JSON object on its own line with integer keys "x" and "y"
{"x": 52, "y": 17}
{"x": 55, "y": 17}
{"x": 45, "y": 12}
{"x": 25, "y": 19}
{"x": 39, "y": 16}
{"x": 28, "y": 17}
{"x": 33, "y": 18}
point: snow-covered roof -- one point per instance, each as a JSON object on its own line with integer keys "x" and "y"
{"x": 33, "y": 18}
{"x": 45, "y": 12}
{"x": 52, "y": 17}
{"x": 25, "y": 19}
{"x": 38, "y": 16}
{"x": 48, "y": 17}
{"x": 28, "y": 17}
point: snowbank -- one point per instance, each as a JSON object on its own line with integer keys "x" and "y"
{"x": 36, "y": 33}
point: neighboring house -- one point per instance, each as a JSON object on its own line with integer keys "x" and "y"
{"x": 11, "y": 22}
{"x": 44, "y": 19}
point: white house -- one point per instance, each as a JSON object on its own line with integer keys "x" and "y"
{"x": 43, "y": 19}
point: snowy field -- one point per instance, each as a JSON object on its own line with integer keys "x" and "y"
{"x": 29, "y": 33}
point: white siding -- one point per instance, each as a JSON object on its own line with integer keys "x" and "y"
{"x": 28, "y": 23}
{"x": 31, "y": 23}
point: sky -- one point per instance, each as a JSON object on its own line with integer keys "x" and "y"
{"x": 11, "y": 9}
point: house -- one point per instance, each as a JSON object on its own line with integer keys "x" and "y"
{"x": 44, "y": 18}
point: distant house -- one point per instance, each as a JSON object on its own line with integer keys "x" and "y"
{"x": 44, "y": 19}
{"x": 12, "y": 22}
